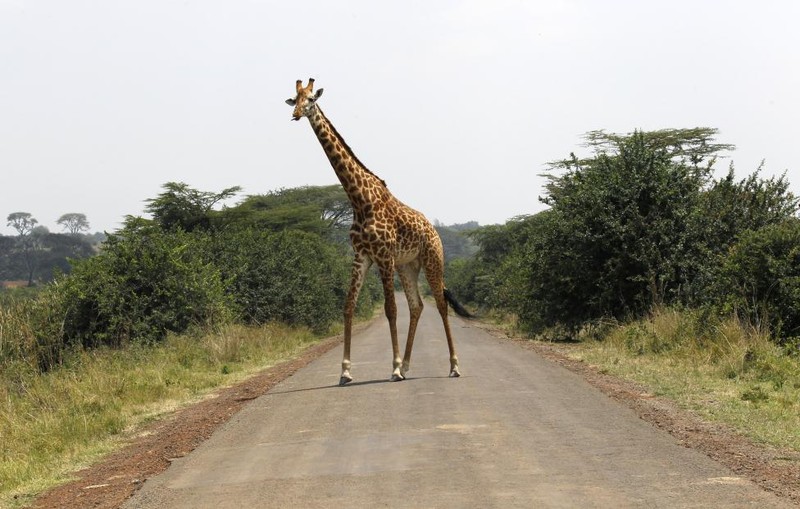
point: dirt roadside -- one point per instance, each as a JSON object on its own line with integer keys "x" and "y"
{"x": 109, "y": 483}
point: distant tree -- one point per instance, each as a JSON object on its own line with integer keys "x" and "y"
{"x": 181, "y": 207}
{"x": 74, "y": 223}
{"x": 26, "y": 245}
{"x": 7, "y": 245}
{"x": 456, "y": 243}
{"x": 465, "y": 227}
{"x": 23, "y": 222}
{"x": 58, "y": 250}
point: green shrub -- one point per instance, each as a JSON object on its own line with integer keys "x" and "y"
{"x": 144, "y": 284}
{"x": 31, "y": 335}
{"x": 292, "y": 277}
{"x": 761, "y": 279}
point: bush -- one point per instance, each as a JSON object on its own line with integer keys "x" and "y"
{"x": 144, "y": 284}
{"x": 31, "y": 335}
{"x": 639, "y": 225}
{"x": 292, "y": 277}
{"x": 761, "y": 278}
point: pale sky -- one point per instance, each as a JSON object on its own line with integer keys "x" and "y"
{"x": 457, "y": 105}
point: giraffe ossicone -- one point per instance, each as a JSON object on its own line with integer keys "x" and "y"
{"x": 385, "y": 233}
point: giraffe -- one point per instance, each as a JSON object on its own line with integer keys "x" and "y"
{"x": 385, "y": 232}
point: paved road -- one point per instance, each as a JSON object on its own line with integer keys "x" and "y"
{"x": 514, "y": 431}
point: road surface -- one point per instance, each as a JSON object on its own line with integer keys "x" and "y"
{"x": 514, "y": 431}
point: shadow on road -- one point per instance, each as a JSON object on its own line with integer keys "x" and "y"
{"x": 355, "y": 384}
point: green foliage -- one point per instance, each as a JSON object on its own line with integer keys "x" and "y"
{"x": 324, "y": 211}
{"x": 293, "y": 277}
{"x": 190, "y": 266}
{"x": 57, "y": 252}
{"x": 40, "y": 256}
{"x": 761, "y": 278}
{"x": 31, "y": 336}
{"x": 181, "y": 207}
{"x": 614, "y": 242}
{"x": 456, "y": 241}
{"x": 74, "y": 222}
{"x": 639, "y": 224}
{"x": 145, "y": 283}
{"x": 686, "y": 147}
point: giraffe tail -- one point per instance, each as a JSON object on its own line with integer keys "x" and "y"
{"x": 458, "y": 308}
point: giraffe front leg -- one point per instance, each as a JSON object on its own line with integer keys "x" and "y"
{"x": 454, "y": 372}
{"x": 390, "y": 307}
{"x": 361, "y": 265}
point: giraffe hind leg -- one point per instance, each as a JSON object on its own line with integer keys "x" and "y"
{"x": 409, "y": 277}
{"x": 435, "y": 274}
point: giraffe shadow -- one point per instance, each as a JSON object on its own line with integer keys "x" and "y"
{"x": 356, "y": 384}
{"x": 334, "y": 386}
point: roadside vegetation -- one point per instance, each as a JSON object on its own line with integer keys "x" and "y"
{"x": 53, "y": 423}
{"x": 168, "y": 309}
{"x": 722, "y": 370}
{"x": 648, "y": 263}
{"x": 165, "y": 311}
{"x": 662, "y": 271}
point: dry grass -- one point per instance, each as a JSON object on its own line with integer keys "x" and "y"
{"x": 722, "y": 370}
{"x": 52, "y": 423}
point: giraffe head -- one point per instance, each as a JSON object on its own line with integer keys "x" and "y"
{"x": 305, "y": 100}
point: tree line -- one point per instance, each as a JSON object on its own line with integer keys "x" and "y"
{"x": 281, "y": 256}
{"x": 641, "y": 223}
{"x": 37, "y": 255}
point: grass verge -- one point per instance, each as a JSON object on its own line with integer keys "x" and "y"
{"x": 54, "y": 423}
{"x": 721, "y": 370}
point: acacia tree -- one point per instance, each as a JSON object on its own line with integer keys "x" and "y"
{"x": 184, "y": 208}
{"x": 23, "y": 222}
{"x": 620, "y": 232}
{"x": 321, "y": 210}
{"x": 622, "y": 220}
{"x": 26, "y": 245}
{"x": 74, "y": 223}
{"x": 640, "y": 223}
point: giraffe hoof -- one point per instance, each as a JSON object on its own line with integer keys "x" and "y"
{"x": 397, "y": 378}
{"x": 454, "y": 373}
{"x": 344, "y": 380}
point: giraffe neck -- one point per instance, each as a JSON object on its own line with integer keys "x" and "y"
{"x": 361, "y": 185}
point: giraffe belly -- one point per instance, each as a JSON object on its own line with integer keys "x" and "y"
{"x": 405, "y": 256}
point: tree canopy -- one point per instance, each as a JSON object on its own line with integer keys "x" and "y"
{"x": 185, "y": 208}
{"x": 640, "y": 223}
{"x": 74, "y": 222}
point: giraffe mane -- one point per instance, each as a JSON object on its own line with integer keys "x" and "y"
{"x": 348, "y": 149}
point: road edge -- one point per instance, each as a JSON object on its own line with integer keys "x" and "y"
{"x": 109, "y": 482}
{"x": 773, "y": 469}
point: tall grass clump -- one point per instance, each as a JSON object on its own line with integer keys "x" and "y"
{"x": 723, "y": 368}
{"x": 31, "y": 332}
{"x": 51, "y": 422}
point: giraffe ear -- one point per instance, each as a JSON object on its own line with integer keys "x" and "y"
{"x": 291, "y": 102}
{"x": 318, "y": 94}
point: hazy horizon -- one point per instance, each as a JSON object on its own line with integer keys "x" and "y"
{"x": 457, "y": 105}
